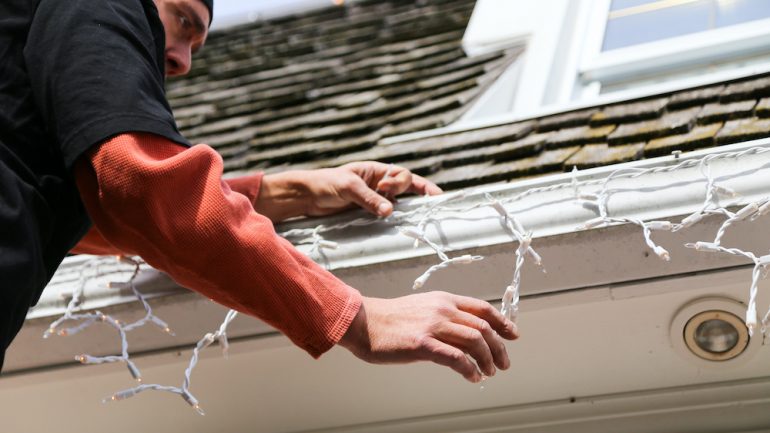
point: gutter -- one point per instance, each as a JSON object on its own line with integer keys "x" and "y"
{"x": 376, "y": 242}
{"x": 380, "y": 242}
{"x": 380, "y": 261}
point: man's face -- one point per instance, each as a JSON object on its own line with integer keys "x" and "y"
{"x": 186, "y": 25}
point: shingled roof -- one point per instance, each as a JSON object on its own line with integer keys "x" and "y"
{"x": 325, "y": 88}
{"x": 331, "y": 82}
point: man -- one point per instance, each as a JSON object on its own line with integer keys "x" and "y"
{"x": 87, "y": 137}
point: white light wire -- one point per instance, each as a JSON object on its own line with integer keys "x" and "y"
{"x": 597, "y": 201}
{"x": 435, "y": 209}
{"x": 419, "y": 236}
{"x": 89, "y": 271}
{"x": 512, "y": 294}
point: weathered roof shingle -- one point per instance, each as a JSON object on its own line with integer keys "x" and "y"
{"x": 329, "y": 87}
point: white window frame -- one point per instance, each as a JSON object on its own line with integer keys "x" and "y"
{"x": 747, "y": 43}
{"x": 563, "y": 67}
{"x": 544, "y": 33}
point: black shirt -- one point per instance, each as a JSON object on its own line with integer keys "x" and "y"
{"x": 73, "y": 73}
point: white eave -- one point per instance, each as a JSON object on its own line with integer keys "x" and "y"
{"x": 380, "y": 261}
{"x": 550, "y": 214}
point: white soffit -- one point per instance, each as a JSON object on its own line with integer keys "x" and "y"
{"x": 594, "y": 360}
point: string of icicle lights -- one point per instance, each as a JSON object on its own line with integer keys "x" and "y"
{"x": 593, "y": 194}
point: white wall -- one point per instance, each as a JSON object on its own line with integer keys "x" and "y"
{"x": 589, "y": 361}
{"x": 546, "y": 28}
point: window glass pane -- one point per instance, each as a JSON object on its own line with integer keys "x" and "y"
{"x": 624, "y": 4}
{"x": 632, "y": 22}
{"x": 626, "y": 30}
{"x": 732, "y": 12}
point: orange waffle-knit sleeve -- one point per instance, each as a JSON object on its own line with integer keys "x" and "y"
{"x": 168, "y": 204}
{"x": 94, "y": 243}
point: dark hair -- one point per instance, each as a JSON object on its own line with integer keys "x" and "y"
{"x": 209, "y": 4}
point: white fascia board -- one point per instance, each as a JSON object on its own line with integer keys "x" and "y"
{"x": 379, "y": 243}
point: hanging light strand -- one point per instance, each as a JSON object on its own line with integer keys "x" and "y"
{"x": 592, "y": 194}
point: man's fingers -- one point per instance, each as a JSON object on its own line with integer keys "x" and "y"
{"x": 486, "y": 311}
{"x": 423, "y": 186}
{"x": 401, "y": 180}
{"x": 359, "y": 193}
{"x": 470, "y": 340}
{"x": 492, "y": 339}
{"x": 452, "y": 357}
{"x": 428, "y": 327}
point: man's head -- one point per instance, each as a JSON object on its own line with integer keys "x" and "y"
{"x": 186, "y": 24}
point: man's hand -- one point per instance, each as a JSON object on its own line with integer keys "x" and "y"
{"x": 370, "y": 185}
{"x": 364, "y": 184}
{"x": 435, "y": 326}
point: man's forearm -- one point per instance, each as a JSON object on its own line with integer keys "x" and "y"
{"x": 283, "y": 195}
{"x": 170, "y": 205}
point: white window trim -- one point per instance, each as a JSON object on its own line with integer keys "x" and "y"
{"x": 548, "y": 57}
{"x": 735, "y": 43}
{"x": 561, "y": 72}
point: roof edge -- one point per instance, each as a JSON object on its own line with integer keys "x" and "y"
{"x": 364, "y": 241}
{"x": 382, "y": 262}
{"x": 614, "y": 98}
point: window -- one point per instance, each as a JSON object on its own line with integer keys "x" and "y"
{"x": 633, "y": 22}
{"x": 641, "y": 43}
{"x": 589, "y": 52}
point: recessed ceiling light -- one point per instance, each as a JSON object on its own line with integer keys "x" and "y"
{"x": 716, "y": 335}
{"x": 711, "y": 332}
